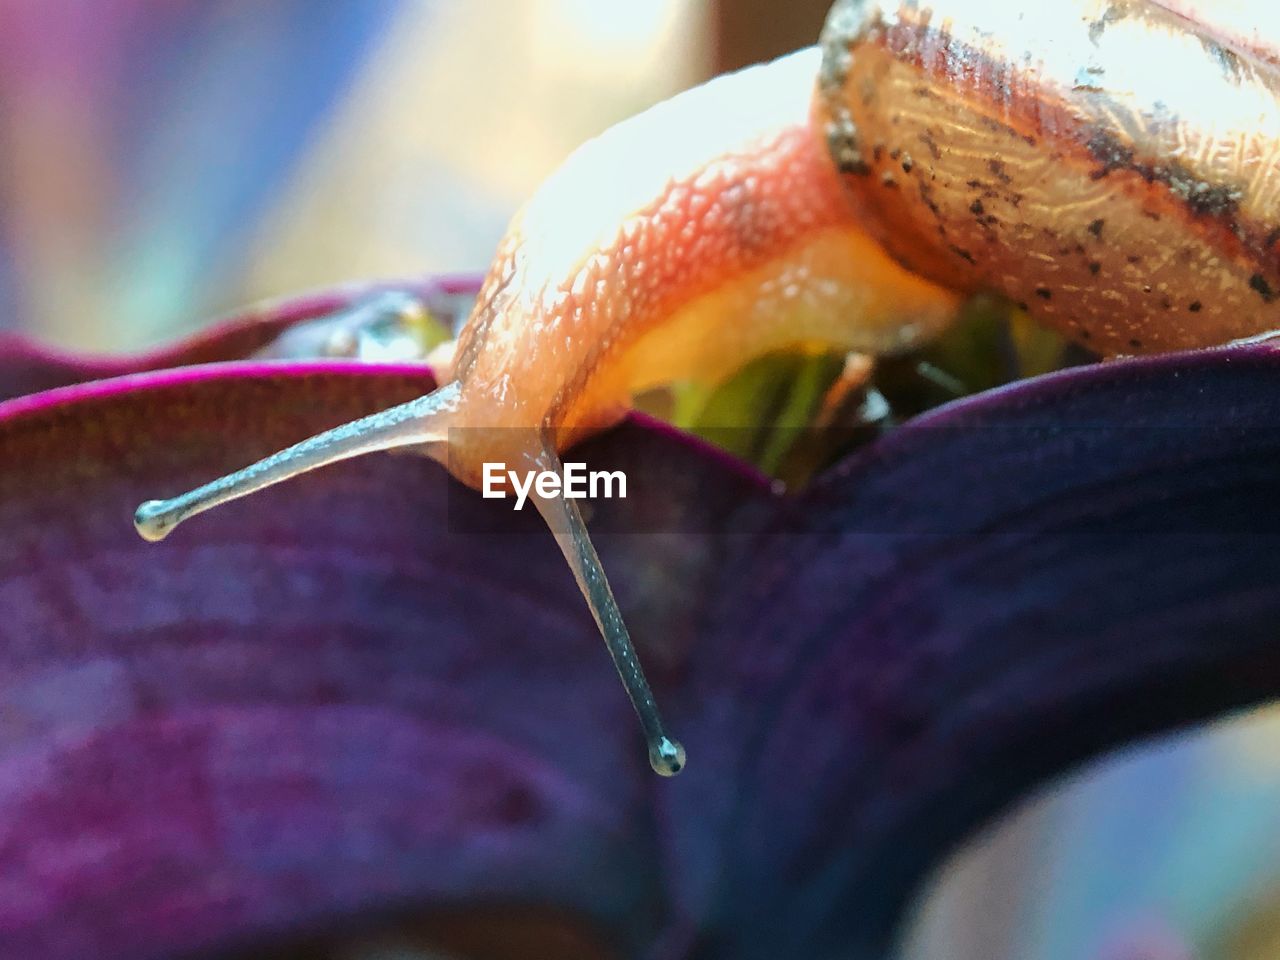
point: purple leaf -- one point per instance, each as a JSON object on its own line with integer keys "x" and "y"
{"x": 339, "y": 697}
{"x": 320, "y": 704}
{"x": 986, "y": 598}
{"x": 28, "y": 367}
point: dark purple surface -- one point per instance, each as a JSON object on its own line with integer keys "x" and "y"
{"x": 330, "y": 700}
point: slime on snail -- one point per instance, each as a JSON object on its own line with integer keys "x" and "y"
{"x": 852, "y": 195}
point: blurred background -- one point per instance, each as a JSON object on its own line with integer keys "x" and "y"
{"x": 165, "y": 161}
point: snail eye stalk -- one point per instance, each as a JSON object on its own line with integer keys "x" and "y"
{"x": 666, "y": 756}
{"x": 424, "y": 420}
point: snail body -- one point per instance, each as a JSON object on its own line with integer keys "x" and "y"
{"x": 683, "y": 242}
{"x": 942, "y": 150}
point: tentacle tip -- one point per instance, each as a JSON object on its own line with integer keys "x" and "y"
{"x": 667, "y": 757}
{"x": 154, "y": 520}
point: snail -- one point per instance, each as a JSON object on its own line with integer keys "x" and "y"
{"x": 1111, "y": 166}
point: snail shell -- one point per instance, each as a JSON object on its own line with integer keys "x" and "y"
{"x": 1112, "y": 166}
